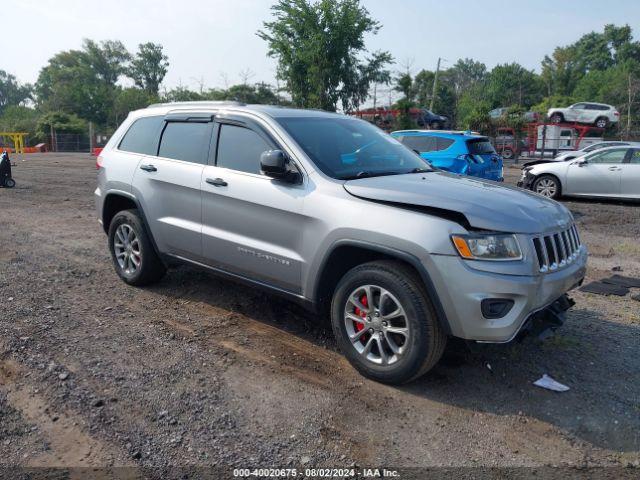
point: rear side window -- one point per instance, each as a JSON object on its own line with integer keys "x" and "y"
{"x": 443, "y": 143}
{"x": 188, "y": 141}
{"x": 239, "y": 148}
{"x": 142, "y": 136}
{"x": 635, "y": 156}
{"x": 480, "y": 146}
{"x": 419, "y": 143}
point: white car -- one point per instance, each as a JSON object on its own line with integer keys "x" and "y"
{"x": 571, "y": 154}
{"x": 597, "y": 114}
{"x": 610, "y": 172}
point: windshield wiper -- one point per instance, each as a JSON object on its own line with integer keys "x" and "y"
{"x": 421, "y": 170}
{"x": 367, "y": 173}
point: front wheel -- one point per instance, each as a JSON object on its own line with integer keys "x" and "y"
{"x": 133, "y": 255}
{"x": 385, "y": 324}
{"x": 547, "y": 186}
{"x": 9, "y": 182}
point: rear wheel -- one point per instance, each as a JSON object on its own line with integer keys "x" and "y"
{"x": 507, "y": 153}
{"x": 436, "y": 125}
{"x": 547, "y": 186}
{"x": 556, "y": 118}
{"x": 385, "y": 324}
{"x": 133, "y": 255}
{"x": 602, "y": 122}
{"x": 9, "y": 182}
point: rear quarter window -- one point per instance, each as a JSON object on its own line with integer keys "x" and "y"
{"x": 142, "y": 136}
{"x": 480, "y": 146}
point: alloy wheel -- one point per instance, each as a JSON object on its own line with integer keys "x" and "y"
{"x": 546, "y": 187}
{"x": 127, "y": 249}
{"x": 376, "y": 324}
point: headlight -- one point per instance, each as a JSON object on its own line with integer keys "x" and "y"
{"x": 487, "y": 246}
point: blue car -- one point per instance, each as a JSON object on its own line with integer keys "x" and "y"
{"x": 465, "y": 153}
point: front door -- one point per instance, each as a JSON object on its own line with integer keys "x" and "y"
{"x": 600, "y": 175}
{"x": 630, "y": 175}
{"x": 252, "y": 224}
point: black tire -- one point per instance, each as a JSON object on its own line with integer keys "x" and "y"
{"x": 556, "y": 118}
{"x": 150, "y": 268}
{"x": 426, "y": 341}
{"x": 436, "y": 125}
{"x": 601, "y": 122}
{"x": 539, "y": 182}
{"x": 9, "y": 182}
{"x": 507, "y": 153}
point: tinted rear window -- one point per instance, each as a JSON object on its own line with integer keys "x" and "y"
{"x": 421, "y": 144}
{"x": 142, "y": 136}
{"x": 188, "y": 141}
{"x": 240, "y": 148}
{"x": 480, "y": 146}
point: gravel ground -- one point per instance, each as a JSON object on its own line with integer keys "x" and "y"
{"x": 198, "y": 371}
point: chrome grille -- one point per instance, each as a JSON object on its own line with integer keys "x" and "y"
{"x": 556, "y": 250}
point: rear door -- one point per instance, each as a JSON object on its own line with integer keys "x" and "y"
{"x": 252, "y": 224}
{"x": 601, "y": 175}
{"x": 168, "y": 184}
{"x": 630, "y": 175}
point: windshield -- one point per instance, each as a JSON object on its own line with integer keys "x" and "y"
{"x": 347, "y": 148}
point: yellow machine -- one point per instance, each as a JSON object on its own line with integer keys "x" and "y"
{"x": 17, "y": 138}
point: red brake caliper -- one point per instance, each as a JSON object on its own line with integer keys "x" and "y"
{"x": 357, "y": 325}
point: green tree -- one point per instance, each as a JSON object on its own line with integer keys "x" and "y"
{"x": 318, "y": 45}
{"x": 512, "y": 84}
{"x": 12, "y": 92}
{"x": 129, "y": 99}
{"x": 18, "y": 118}
{"x": 83, "y": 82}
{"x": 149, "y": 67}
{"x": 405, "y": 85}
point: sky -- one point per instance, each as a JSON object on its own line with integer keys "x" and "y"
{"x": 211, "y": 42}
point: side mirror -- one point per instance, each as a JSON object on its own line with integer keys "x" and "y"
{"x": 274, "y": 164}
{"x": 583, "y": 162}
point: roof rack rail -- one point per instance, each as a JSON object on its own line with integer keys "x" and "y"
{"x": 199, "y": 103}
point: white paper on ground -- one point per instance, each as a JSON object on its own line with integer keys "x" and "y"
{"x": 550, "y": 384}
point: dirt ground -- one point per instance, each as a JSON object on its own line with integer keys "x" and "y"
{"x": 201, "y": 371}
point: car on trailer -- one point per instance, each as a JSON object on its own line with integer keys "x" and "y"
{"x": 599, "y": 115}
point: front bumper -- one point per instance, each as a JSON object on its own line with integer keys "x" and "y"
{"x": 461, "y": 290}
{"x": 526, "y": 181}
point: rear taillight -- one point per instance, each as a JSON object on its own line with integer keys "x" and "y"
{"x": 99, "y": 162}
{"x": 617, "y": 114}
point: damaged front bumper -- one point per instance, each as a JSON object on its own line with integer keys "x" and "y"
{"x": 544, "y": 322}
{"x": 526, "y": 180}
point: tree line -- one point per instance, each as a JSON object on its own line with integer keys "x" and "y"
{"x": 323, "y": 62}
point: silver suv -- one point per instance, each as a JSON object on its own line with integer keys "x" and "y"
{"x": 332, "y": 212}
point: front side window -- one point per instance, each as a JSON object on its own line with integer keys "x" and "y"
{"x": 239, "y": 148}
{"x": 610, "y": 156}
{"x": 635, "y": 156}
{"x": 188, "y": 141}
{"x": 142, "y": 136}
{"x": 346, "y": 148}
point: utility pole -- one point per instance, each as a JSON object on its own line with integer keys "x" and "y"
{"x": 435, "y": 85}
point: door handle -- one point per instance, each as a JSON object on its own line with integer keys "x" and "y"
{"x": 148, "y": 168}
{"x": 614, "y": 169}
{"x": 216, "y": 182}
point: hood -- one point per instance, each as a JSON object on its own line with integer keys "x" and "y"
{"x": 486, "y": 205}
